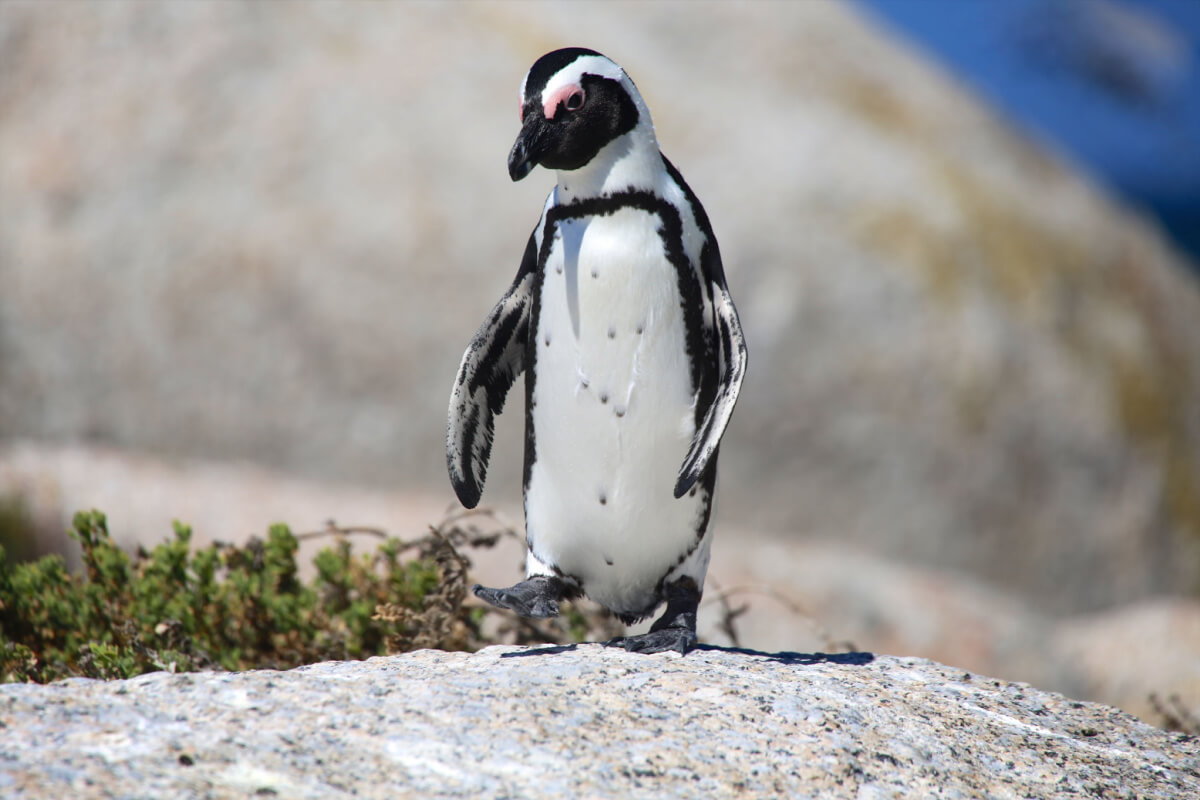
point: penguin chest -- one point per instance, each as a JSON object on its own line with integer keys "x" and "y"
{"x": 612, "y": 411}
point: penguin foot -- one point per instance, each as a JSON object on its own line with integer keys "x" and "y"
{"x": 536, "y": 598}
{"x": 675, "y": 629}
{"x": 681, "y": 640}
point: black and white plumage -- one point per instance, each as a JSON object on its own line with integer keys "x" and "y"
{"x": 633, "y": 356}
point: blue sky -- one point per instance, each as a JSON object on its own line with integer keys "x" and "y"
{"x": 1113, "y": 84}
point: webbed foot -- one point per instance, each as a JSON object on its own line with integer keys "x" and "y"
{"x": 675, "y": 629}
{"x": 681, "y": 640}
{"x": 536, "y": 598}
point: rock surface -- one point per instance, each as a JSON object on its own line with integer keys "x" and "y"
{"x": 585, "y": 721}
{"x": 274, "y": 244}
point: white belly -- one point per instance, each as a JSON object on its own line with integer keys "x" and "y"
{"x": 612, "y": 414}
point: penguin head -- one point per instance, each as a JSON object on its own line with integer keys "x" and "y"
{"x": 574, "y": 103}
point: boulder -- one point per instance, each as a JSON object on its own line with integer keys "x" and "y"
{"x": 1143, "y": 658}
{"x": 582, "y": 721}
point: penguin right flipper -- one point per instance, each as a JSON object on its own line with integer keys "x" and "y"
{"x": 731, "y": 347}
{"x": 490, "y": 366}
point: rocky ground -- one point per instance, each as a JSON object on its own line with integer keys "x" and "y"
{"x": 583, "y": 721}
{"x": 251, "y": 241}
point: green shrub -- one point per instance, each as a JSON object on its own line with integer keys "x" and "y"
{"x": 238, "y": 608}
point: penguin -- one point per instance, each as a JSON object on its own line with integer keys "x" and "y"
{"x": 633, "y": 356}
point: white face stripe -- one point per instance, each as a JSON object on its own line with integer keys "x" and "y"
{"x": 573, "y": 73}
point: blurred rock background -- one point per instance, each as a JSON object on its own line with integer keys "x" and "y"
{"x": 242, "y": 246}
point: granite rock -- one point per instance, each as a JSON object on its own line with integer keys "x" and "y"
{"x": 583, "y": 721}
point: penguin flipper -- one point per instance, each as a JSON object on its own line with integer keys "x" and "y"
{"x": 490, "y": 366}
{"x": 731, "y": 345}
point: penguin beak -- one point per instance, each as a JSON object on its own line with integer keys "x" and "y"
{"x": 533, "y": 143}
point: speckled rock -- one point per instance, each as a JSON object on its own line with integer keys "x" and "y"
{"x": 581, "y": 722}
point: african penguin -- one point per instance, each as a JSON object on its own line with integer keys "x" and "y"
{"x": 633, "y": 356}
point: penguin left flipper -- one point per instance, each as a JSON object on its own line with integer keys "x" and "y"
{"x": 732, "y": 352}
{"x": 490, "y": 366}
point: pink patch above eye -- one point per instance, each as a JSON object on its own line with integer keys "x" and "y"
{"x": 550, "y": 101}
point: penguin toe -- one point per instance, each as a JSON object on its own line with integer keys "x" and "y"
{"x": 681, "y": 640}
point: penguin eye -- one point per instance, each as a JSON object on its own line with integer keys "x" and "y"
{"x": 575, "y": 100}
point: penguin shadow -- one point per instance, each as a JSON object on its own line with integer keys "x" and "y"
{"x": 790, "y": 659}
{"x": 856, "y": 659}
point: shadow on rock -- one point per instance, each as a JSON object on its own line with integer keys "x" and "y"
{"x": 541, "y": 651}
{"x": 857, "y": 659}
